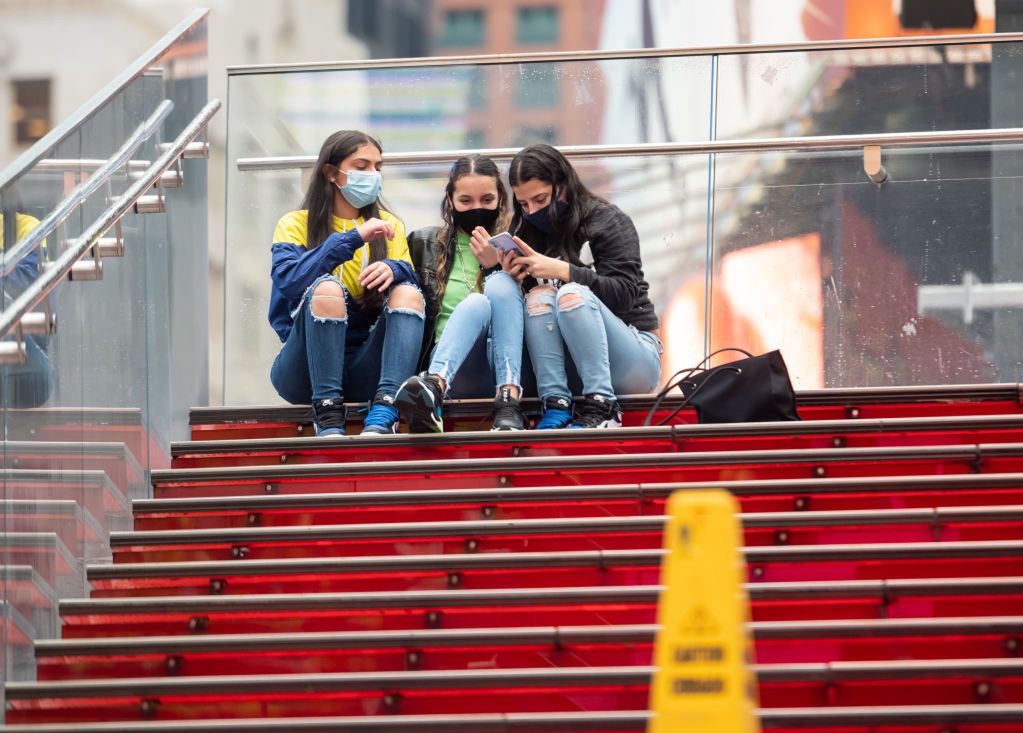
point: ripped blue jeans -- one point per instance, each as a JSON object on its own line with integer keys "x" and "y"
{"x": 612, "y": 358}
{"x": 493, "y": 319}
{"x": 317, "y": 363}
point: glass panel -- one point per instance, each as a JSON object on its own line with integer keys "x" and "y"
{"x": 458, "y": 107}
{"x": 862, "y": 285}
{"x": 91, "y": 409}
{"x": 906, "y": 89}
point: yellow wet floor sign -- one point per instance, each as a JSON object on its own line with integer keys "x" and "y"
{"x": 703, "y": 682}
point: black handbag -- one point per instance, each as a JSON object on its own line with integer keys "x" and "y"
{"x": 754, "y": 389}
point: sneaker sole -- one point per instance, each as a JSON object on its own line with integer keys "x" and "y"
{"x": 416, "y": 406}
{"x": 329, "y": 432}
{"x": 379, "y": 431}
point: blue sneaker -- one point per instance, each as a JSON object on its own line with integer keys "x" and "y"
{"x": 557, "y": 413}
{"x": 419, "y": 400}
{"x": 329, "y": 417}
{"x": 382, "y": 417}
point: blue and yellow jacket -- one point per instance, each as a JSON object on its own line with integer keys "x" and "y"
{"x": 294, "y": 267}
{"x": 27, "y": 269}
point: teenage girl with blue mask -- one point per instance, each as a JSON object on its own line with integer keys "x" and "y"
{"x": 344, "y": 299}
{"x": 586, "y": 293}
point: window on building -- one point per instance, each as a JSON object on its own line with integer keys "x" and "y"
{"x": 538, "y": 86}
{"x": 463, "y": 28}
{"x": 31, "y": 112}
{"x": 538, "y": 25}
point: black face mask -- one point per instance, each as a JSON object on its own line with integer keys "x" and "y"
{"x": 542, "y": 219}
{"x": 472, "y": 218}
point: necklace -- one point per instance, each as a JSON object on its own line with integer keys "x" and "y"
{"x": 470, "y": 284}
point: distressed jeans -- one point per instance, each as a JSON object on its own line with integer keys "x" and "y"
{"x": 315, "y": 363}
{"x": 493, "y": 321}
{"x": 610, "y": 357}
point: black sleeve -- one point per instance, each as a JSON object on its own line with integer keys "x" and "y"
{"x": 614, "y": 243}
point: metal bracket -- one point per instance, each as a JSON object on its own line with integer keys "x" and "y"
{"x": 872, "y": 164}
{"x": 195, "y": 149}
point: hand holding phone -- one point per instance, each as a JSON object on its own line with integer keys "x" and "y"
{"x": 504, "y": 242}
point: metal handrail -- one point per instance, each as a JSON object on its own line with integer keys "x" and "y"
{"x": 703, "y": 147}
{"x": 849, "y": 44}
{"x": 45, "y": 145}
{"x": 78, "y": 196}
{"x": 42, "y": 286}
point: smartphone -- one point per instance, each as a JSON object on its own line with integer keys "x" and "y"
{"x": 504, "y": 242}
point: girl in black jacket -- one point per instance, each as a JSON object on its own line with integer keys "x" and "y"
{"x": 586, "y": 292}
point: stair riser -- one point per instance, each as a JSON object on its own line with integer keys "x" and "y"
{"x": 921, "y": 691}
{"x": 508, "y": 509}
{"x": 536, "y": 614}
{"x": 501, "y": 656}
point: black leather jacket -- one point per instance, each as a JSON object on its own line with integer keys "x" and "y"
{"x": 424, "y": 248}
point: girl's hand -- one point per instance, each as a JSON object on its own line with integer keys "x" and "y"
{"x": 541, "y": 266}
{"x": 486, "y": 254}
{"x": 373, "y": 228}
{"x": 377, "y": 276}
{"x": 508, "y": 264}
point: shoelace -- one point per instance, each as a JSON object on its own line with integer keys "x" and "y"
{"x": 330, "y": 417}
{"x": 554, "y": 418}
{"x": 379, "y": 415}
{"x": 591, "y": 414}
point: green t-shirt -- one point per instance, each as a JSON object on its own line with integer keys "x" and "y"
{"x": 461, "y": 281}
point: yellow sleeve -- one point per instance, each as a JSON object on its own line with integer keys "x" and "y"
{"x": 397, "y": 247}
{"x": 292, "y": 228}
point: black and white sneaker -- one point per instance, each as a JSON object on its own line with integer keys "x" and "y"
{"x": 419, "y": 401}
{"x": 597, "y": 411}
{"x": 329, "y": 417}
{"x": 508, "y": 413}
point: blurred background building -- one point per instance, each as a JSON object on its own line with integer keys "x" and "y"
{"x": 785, "y": 234}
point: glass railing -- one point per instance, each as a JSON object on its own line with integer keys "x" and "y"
{"x": 744, "y": 243}
{"x": 103, "y": 326}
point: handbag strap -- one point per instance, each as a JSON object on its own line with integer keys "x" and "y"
{"x": 687, "y": 400}
{"x": 667, "y": 389}
{"x": 721, "y": 351}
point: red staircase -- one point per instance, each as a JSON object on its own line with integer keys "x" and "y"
{"x": 484, "y": 582}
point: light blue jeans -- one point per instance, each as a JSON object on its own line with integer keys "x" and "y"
{"x": 610, "y": 357}
{"x": 496, "y": 317}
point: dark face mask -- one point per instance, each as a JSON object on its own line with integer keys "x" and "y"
{"x": 542, "y": 219}
{"x": 472, "y": 218}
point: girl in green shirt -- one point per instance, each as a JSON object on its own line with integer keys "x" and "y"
{"x": 474, "y": 329}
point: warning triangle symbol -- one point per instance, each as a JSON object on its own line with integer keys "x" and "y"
{"x": 699, "y": 623}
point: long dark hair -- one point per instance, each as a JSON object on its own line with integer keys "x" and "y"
{"x": 319, "y": 197}
{"x": 480, "y": 165}
{"x": 546, "y": 163}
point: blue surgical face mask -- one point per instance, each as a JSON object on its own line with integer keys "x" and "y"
{"x": 362, "y": 187}
{"x": 542, "y": 219}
